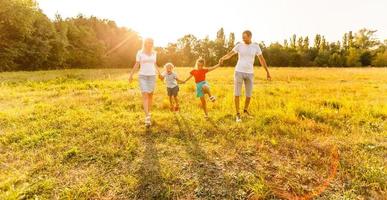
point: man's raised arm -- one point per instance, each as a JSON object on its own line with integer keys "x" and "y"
{"x": 227, "y": 56}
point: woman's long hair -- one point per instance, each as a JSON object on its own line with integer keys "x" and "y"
{"x": 147, "y": 41}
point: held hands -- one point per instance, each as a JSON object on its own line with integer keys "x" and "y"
{"x": 221, "y": 61}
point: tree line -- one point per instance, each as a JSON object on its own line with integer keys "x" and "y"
{"x": 355, "y": 50}
{"x": 29, "y": 40}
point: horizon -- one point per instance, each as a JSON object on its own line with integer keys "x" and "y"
{"x": 275, "y": 20}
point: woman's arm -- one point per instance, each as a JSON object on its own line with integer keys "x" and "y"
{"x": 157, "y": 69}
{"x": 161, "y": 77}
{"x": 134, "y": 69}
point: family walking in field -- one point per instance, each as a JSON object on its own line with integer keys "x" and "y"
{"x": 244, "y": 75}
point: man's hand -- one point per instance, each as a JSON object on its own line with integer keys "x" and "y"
{"x": 268, "y": 77}
{"x": 130, "y": 79}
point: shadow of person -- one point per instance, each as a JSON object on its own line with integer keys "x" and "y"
{"x": 151, "y": 183}
{"x": 211, "y": 183}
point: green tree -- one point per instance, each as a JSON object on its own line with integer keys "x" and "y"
{"x": 230, "y": 46}
{"x": 317, "y": 42}
{"x": 186, "y": 45}
{"x": 277, "y": 55}
{"x": 293, "y": 40}
{"x": 322, "y": 58}
{"x": 84, "y": 47}
{"x": 353, "y": 58}
{"x": 220, "y": 45}
{"x": 365, "y": 39}
{"x": 336, "y": 60}
{"x": 17, "y": 19}
{"x": 380, "y": 59}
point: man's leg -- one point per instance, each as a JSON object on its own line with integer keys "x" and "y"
{"x": 249, "y": 82}
{"x": 247, "y": 103}
{"x": 238, "y": 82}
{"x": 236, "y": 100}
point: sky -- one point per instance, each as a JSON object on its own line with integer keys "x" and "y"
{"x": 270, "y": 20}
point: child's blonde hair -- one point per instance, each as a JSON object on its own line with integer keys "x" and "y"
{"x": 200, "y": 60}
{"x": 169, "y": 64}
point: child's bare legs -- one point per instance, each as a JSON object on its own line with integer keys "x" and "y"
{"x": 204, "y": 105}
{"x": 176, "y": 103}
{"x": 171, "y": 103}
{"x": 206, "y": 90}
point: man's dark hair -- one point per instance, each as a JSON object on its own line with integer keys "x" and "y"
{"x": 248, "y": 33}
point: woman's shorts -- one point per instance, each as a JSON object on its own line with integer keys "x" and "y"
{"x": 173, "y": 91}
{"x": 199, "y": 88}
{"x": 147, "y": 83}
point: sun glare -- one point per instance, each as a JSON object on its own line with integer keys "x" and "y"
{"x": 168, "y": 20}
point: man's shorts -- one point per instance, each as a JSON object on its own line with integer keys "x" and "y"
{"x": 247, "y": 79}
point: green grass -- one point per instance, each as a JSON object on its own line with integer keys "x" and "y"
{"x": 79, "y": 134}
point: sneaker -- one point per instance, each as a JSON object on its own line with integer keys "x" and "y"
{"x": 246, "y": 112}
{"x": 212, "y": 98}
{"x": 206, "y": 116}
{"x": 177, "y": 109}
{"x": 148, "y": 121}
{"x": 238, "y": 118}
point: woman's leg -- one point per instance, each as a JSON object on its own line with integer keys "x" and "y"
{"x": 150, "y": 102}
{"x": 145, "y": 103}
{"x": 204, "y": 105}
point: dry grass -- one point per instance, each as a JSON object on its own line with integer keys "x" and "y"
{"x": 78, "y": 134}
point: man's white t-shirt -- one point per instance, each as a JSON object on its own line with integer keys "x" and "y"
{"x": 147, "y": 63}
{"x": 246, "y": 56}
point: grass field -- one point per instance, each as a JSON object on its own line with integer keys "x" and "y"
{"x": 79, "y": 134}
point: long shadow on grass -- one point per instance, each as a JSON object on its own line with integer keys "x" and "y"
{"x": 151, "y": 184}
{"x": 211, "y": 180}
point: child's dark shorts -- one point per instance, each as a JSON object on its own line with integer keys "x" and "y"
{"x": 173, "y": 91}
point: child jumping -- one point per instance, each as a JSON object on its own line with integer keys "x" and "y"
{"x": 171, "y": 80}
{"x": 202, "y": 86}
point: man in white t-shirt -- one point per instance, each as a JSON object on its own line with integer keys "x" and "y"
{"x": 244, "y": 70}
